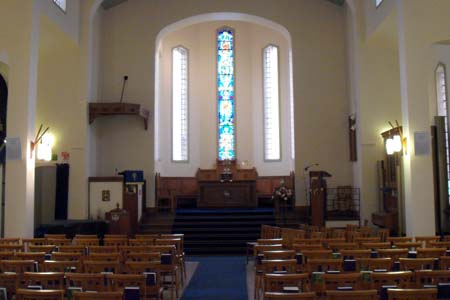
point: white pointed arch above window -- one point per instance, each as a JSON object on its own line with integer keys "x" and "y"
{"x": 271, "y": 92}
{"x": 61, "y": 4}
{"x": 180, "y": 124}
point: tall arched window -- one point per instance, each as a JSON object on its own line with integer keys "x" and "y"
{"x": 225, "y": 94}
{"x": 272, "y": 145}
{"x": 441, "y": 98}
{"x": 180, "y": 138}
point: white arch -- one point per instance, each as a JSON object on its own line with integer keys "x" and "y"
{"x": 222, "y": 16}
{"x": 208, "y": 17}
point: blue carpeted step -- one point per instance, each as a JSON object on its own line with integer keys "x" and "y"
{"x": 220, "y": 231}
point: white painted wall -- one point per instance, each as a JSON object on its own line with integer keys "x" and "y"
{"x": 200, "y": 40}
{"x": 62, "y": 107}
{"x": 319, "y": 70}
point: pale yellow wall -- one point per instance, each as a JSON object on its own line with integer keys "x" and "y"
{"x": 200, "y": 40}
{"x": 61, "y": 106}
{"x": 375, "y": 16}
{"x": 16, "y": 17}
{"x": 320, "y": 70}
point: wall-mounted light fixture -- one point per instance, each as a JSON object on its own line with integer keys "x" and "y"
{"x": 37, "y": 139}
{"x": 394, "y": 139}
{"x": 44, "y": 149}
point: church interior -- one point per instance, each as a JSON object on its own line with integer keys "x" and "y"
{"x": 212, "y": 149}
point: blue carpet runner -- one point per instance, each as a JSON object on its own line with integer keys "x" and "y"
{"x": 218, "y": 278}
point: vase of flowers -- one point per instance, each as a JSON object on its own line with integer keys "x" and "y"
{"x": 281, "y": 196}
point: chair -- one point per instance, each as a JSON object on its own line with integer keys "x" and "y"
{"x": 361, "y": 240}
{"x": 47, "y": 249}
{"x": 85, "y": 236}
{"x": 59, "y": 241}
{"x": 47, "y": 280}
{"x": 113, "y": 256}
{"x": 307, "y": 247}
{"x": 399, "y": 239}
{"x": 55, "y": 236}
{"x": 316, "y": 254}
{"x": 87, "y": 281}
{"x": 443, "y": 244}
{"x": 395, "y": 254}
{"x": 10, "y": 281}
{"x": 117, "y": 282}
{"x": 73, "y": 248}
{"x": 427, "y": 239}
{"x": 326, "y": 242}
{"x": 9, "y": 241}
{"x": 272, "y": 266}
{"x": 306, "y": 241}
{"x": 333, "y": 281}
{"x": 276, "y": 282}
{"x": 87, "y": 242}
{"x": 146, "y": 236}
{"x": 102, "y": 249}
{"x": 11, "y": 247}
{"x": 430, "y": 252}
{"x": 354, "y": 254}
{"x": 414, "y": 264}
{"x": 402, "y": 279}
{"x": 115, "y": 236}
{"x": 35, "y": 241}
{"x": 412, "y": 294}
{"x": 99, "y": 266}
{"x": 289, "y": 296}
{"x": 7, "y": 255}
{"x": 376, "y": 245}
{"x": 144, "y": 256}
{"x": 17, "y": 266}
{"x": 115, "y": 241}
{"x": 269, "y": 241}
{"x": 25, "y": 294}
{"x": 257, "y": 249}
{"x": 61, "y": 266}
{"x": 444, "y": 262}
{"x": 36, "y": 256}
{"x": 408, "y": 245}
{"x": 67, "y": 256}
{"x": 97, "y": 296}
{"x": 342, "y": 246}
{"x": 141, "y": 242}
{"x": 139, "y": 267}
{"x": 352, "y": 295}
{"x": 279, "y": 254}
{"x": 323, "y": 265}
{"x": 429, "y": 277}
{"x": 370, "y": 264}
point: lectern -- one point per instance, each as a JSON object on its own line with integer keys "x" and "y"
{"x": 318, "y": 196}
{"x": 119, "y": 221}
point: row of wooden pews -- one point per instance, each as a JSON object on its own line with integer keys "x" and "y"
{"x": 107, "y": 266}
{"x": 351, "y": 263}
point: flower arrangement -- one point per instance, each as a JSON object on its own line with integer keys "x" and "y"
{"x": 282, "y": 193}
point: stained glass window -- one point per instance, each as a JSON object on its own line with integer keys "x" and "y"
{"x": 441, "y": 93}
{"x": 180, "y": 104}
{"x": 272, "y": 145}
{"x": 61, "y": 4}
{"x": 225, "y": 94}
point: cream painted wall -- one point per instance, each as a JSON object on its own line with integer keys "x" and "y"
{"x": 16, "y": 46}
{"x": 200, "y": 40}
{"x": 61, "y": 107}
{"x": 68, "y": 21}
{"x": 320, "y": 72}
{"x": 375, "y": 16}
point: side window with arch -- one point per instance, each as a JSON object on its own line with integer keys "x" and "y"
{"x": 180, "y": 124}
{"x": 271, "y": 107}
{"x": 442, "y": 107}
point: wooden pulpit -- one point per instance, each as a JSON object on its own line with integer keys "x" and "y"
{"x": 119, "y": 221}
{"x": 318, "y": 196}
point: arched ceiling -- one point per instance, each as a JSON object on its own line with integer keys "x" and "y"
{"x": 107, "y": 4}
